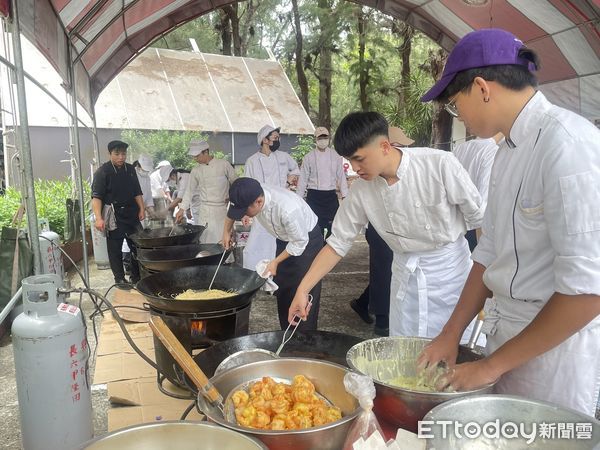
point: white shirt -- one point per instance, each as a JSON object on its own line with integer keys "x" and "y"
{"x": 541, "y": 232}
{"x": 146, "y": 186}
{"x": 322, "y": 171}
{"x": 158, "y": 180}
{"x": 287, "y": 217}
{"x": 272, "y": 170}
{"x": 183, "y": 180}
{"x": 210, "y": 182}
{"x": 477, "y": 157}
{"x": 432, "y": 204}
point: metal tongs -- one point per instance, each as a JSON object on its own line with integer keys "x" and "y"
{"x": 260, "y": 354}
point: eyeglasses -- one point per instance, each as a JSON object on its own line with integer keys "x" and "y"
{"x": 451, "y": 108}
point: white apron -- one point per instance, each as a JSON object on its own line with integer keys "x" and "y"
{"x": 425, "y": 289}
{"x": 213, "y": 217}
{"x": 568, "y": 374}
{"x": 261, "y": 245}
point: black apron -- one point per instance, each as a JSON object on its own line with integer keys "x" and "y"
{"x": 289, "y": 275}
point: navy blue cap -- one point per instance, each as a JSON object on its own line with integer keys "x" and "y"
{"x": 242, "y": 193}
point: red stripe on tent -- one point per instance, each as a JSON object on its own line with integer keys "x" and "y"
{"x": 503, "y": 15}
{"x": 555, "y": 66}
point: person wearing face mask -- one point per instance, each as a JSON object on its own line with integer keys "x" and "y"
{"x": 209, "y": 180}
{"x": 420, "y": 201}
{"x": 321, "y": 173}
{"x": 143, "y": 168}
{"x": 160, "y": 189}
{"x": 271, "y": 167}
{"x": 117, "y": 202}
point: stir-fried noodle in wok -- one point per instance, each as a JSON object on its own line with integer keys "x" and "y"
{"x": 207, "y": 294}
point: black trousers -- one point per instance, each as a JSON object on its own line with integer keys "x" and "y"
{"x": 289, "y": 274}
{"x": 324, "y": 204}
{"x": 380, "y": 273}
{"x": 114, "y": 244}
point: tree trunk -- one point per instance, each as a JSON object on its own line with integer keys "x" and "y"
{"x": 302, "y": 81}
{"x": 363, "y": 77}
{"x": 247, "y": 27}
{"x": 223, "y": 28}
{"x": 406, "y": 32}
{"x": 232, "y": 13}
{"x": 441, "y": 123}
{"x": 325, "y": 66}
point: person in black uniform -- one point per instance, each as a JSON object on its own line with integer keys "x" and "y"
{"x": 116, "y": 188}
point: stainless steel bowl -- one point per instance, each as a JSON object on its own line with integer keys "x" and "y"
{"x": 384, "y": 359}
{"x": 492, "y": 412}
{"x": 174, "y": 435}
{"x": 328, "y": 379}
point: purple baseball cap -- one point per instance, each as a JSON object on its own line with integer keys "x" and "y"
{"x": 481, "y": 48}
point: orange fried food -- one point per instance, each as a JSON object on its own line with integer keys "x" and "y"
{"x": 279, "y": 406}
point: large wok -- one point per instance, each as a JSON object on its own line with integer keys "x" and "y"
{"x": 176, "y": 256}
{"x": 160, "y": 288}
{"x": 159, "y": 237}
{"x": 324, "y": 345}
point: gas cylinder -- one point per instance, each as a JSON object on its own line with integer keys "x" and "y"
{"x": 51, "y": 364}
{"x": 51, "y": 255}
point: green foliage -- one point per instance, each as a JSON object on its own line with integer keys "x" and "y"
{"x": 305, "y": 145}
{"x": 164, "y": 145}
{"x": 50, "y": 196}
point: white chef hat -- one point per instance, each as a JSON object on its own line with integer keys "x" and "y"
{"x": 197, "y": 147}
{"x": 162, "y": 164}
{"x": 146, "y": 162}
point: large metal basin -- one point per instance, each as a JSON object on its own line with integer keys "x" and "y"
{"x": 328, "y": 379}
{"x": 491, "y": 412}
{"x": 384, "y": 359}
{"x": 174, "y": 435}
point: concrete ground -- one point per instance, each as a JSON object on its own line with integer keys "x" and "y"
{"x": 346, "y": 282}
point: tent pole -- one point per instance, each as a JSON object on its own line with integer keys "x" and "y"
{"x": 77, "y": 154}
{"x": 25, "y": 151}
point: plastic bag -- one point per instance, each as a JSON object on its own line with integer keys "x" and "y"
{"x": 365, "y": 429}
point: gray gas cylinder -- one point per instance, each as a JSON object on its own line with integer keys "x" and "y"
{"x": 51, "y": 364}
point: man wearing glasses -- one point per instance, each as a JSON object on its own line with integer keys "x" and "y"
{"x": 270, "y": 167}
{"x": 539, "y": 252}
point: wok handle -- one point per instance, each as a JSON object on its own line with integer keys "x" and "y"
{"x": 183, "y": 358}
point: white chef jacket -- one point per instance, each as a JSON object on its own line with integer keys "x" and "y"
{"x": 287, "y": 217}
{"x": 210, "y": 182}
{"x": 273, "y": 169}
{"x": 158, "y": 180}
{"x": 432, "y": 204}
{"x": 477, "y": 157}
{"x": 541, "y": 234}
{"x": 556, "y": 228}
{"x": 146, "y": 186}
{"x": 183, "y": 179}
{"x": 322, "y": 171}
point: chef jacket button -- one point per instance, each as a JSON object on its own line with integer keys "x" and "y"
{"x": 390, "y": 215}
{"x": 428, "y": 227}
{"x": 418, "y": 204}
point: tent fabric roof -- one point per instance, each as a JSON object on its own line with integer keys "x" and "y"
{"x": 108, "y": 34}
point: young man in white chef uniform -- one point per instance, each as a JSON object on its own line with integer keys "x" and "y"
{"x": 290, "y": 220}
{"x": 539, "y": 253}
{"x": 270, "y": 167}
{"x": 321, "y": 173}
{"x": 420, "y": 201}
{"x": 210, "y": 181}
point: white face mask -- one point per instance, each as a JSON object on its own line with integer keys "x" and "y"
{"x": 322, "y": 143}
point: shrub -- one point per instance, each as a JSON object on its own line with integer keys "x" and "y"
{"x": 50, "y": 196}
